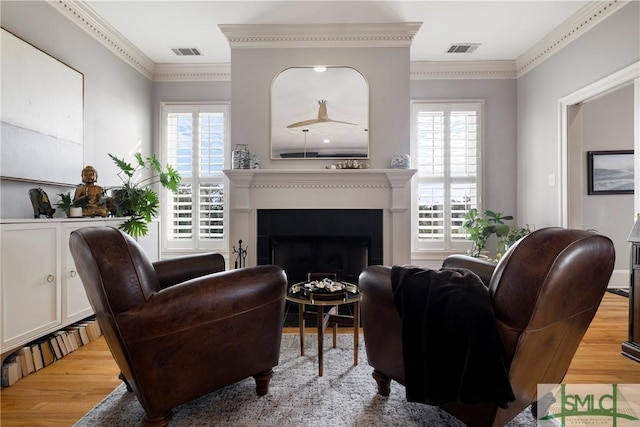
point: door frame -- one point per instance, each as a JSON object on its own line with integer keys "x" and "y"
{"x": 571, "y": 207}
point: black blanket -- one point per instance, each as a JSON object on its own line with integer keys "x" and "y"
{"x": 451, "y": 345}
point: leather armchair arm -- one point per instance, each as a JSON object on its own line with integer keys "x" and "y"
{"x": 178, "y": 270}
{"x": 202, "y": 301}
{"x": 480, "y": 266}
{"x": 381, "y": 322}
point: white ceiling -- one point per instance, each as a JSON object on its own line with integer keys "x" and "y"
{"x": 505, "y": 29}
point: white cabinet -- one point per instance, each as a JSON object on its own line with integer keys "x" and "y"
{"x": 31, "y": 285}
{"x": 41, "y": 291}
{"x": 75, "y": 305}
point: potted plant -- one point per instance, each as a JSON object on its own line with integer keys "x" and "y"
{"x": 481, "y": 225}
{"x": 506, "y": 241}
{"x": 134, "y": 198}
{"x": 71, "y": 208}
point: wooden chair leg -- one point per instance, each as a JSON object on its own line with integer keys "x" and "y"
{"x": 384, "y": 383}
{"x": 262, "y": 382}
{"x": 161, "y": 420}
{"x": 124, "y": 380}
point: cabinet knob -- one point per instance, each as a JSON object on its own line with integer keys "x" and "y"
{"x": 73, "y": 273}
{"x": 50, "y": 278}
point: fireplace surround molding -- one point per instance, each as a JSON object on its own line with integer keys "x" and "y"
{"x": 386, "y": 189}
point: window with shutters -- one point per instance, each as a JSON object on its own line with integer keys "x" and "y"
{"x": 195, "y": 140}
{"x": 446, "y": 144}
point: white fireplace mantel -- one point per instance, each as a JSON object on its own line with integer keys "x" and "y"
{"x": 386, "y": 189}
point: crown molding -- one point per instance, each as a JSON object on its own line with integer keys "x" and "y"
{"x": 336, "y": 35}
{"x": 84, "y": 17}
{"x": 461, "y": 70}
{"x": 582, "y": 21}
{"x": 192, "y": 72}
{"x": 320, "y": 35}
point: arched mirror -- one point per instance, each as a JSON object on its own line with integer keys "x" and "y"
{"x": 319, "y": 113}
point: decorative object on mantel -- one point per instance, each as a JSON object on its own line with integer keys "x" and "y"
{"x": 40, "y": 202}
{"x": 350, "y": 164}
{"x": 400, "y": 161}
{"x": 240, "y": 157}
{"x": 72, "y": 208}
{"x": 89, "y": 195}
{"x": 242, "y": 255}
{"x": 255, "y": 161}
{"x": 136, "y": 199}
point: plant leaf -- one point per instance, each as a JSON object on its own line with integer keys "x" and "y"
{"x": 139, "y": 159}
{"x": 125, "y": 167}
{"x": 154, "y": 163}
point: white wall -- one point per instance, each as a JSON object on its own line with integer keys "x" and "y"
{"x": 607, "y": 124}
{"x": 117, "y": 99}
{"x": 385, "y": 69}
{"x": 609, "y": 46}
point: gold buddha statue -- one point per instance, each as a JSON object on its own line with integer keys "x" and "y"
{"x": 93, "y": 193}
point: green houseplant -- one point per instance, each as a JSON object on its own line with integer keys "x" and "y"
{"x": 506, "y": 241}
{"x": 67, "y": 202}
{"x": 134, "y": 198}
{"x": 482, "y": 225}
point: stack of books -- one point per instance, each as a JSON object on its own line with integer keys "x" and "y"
{"x": 43, "y": 352}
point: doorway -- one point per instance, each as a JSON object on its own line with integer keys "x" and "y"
{"x": 575, "y": 143}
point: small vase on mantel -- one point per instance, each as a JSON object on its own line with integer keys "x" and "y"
{"x": 240, "y": 157}
{"x": 400, "y": 161}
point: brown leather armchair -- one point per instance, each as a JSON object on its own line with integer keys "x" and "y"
{"x": 180, "y": 328}
{"x": 545, "y": 292}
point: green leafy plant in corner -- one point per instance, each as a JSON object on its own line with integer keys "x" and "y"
{"x": 515, "y": 233}
{"x": 482, "y": 225}
{"x": 135, "y": 199}
{"x": 67, "y": 202}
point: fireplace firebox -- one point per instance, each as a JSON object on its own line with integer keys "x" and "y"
{"x": 335, "y": 241}
{"x": 302, "y": 241}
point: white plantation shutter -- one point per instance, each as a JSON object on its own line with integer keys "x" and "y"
{"x": 195, "y": 137}
{"x": 446, "y": 145}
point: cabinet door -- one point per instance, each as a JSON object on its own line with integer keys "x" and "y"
{"x": 30, "y": 281}
{"x": 75, "y": 305}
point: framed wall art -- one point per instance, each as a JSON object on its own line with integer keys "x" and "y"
{"x": 41, "y": 115}
{"x": 610, "y": 172}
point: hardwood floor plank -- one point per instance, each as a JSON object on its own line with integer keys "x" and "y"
{"x": 63, "y": 392}
{"x": 598, "y": 358}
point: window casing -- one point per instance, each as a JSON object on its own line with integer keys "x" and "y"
{"x": 194, "y": 141}
{"x": 446, "y": 142}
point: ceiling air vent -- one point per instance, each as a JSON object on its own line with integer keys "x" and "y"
{"x": 186, "y": 51}
{"x": 463, "y": 48}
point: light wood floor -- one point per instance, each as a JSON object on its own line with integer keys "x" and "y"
{"x": 63, "y": 392}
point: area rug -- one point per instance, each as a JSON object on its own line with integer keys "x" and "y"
{"x": 344, "y": 396}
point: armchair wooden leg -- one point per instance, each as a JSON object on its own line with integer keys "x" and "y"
{"x": 124, "y": 380}
{"x": 161, "y": 420}
{"x": 384, "y": 383}
{"x": 262, "y": 382}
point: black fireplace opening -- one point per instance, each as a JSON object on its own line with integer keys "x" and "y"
{"x": 341, "y": 241}
{"x": 344, "y": 256}
{"x": 333, "y": 241}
